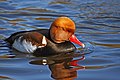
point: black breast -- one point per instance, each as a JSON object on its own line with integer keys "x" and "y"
{"x": 53, "y": 49}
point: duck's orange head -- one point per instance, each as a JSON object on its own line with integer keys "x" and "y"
{"x": 62, "y": 29}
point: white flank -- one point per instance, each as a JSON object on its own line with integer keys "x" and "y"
{"x": 29, "y": 47}
{"x": 24, "y": 46}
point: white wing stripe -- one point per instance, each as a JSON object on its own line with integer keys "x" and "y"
{"x": 44, "y": 40}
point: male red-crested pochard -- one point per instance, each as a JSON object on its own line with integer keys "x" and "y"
{"x": 44, "y": 42}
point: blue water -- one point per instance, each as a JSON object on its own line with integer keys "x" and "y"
{"x": 98, "y": 26}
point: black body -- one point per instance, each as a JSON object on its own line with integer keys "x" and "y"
{"x": 51, "y": 48}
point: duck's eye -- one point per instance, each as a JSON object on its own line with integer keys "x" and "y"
{"x": 69, "y": 30}
{"x": 57, "y": 26}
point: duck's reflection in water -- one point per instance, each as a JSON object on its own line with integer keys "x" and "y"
{"x": 61, "y": 67}
{"x": 64, "y": 70}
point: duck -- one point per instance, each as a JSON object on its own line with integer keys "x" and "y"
{"x": 59, "y": 38}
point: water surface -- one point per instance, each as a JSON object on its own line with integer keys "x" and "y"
{"x": 98, "y": 25}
